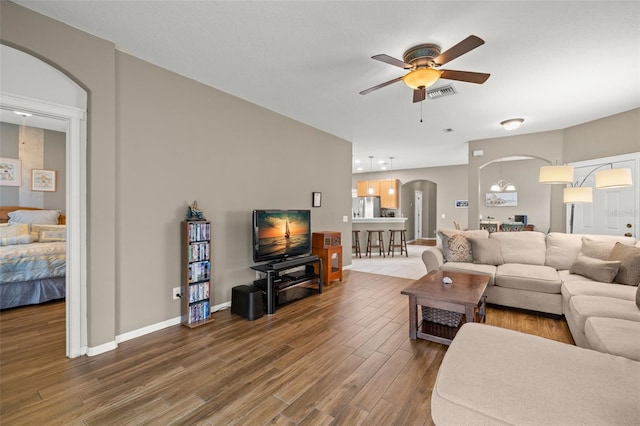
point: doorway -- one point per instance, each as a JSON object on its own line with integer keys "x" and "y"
{"x": 417, "y": 202}
{"x": 66, "y": 104}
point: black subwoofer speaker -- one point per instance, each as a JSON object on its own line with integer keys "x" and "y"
{"x": 246, "y": 300}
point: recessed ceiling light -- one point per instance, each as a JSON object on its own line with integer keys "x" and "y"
{"x": 22, "y": 113}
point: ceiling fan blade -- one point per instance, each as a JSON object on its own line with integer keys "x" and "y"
{"x": 391, "y": 61}
{"x": 468, "y": 76}
{"x": 380, "y": 86}
{"x": 459, "y": 49}
{"x": 419, "y": 95}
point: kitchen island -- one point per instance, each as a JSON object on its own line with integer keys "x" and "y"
{"x": 376, "y": 223}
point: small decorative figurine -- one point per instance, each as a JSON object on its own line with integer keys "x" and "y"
{"x": 194, "y": 213}
{"x": 447, "y": 282}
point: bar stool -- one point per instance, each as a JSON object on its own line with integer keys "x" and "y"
{"x": 355, "y": 237}
{"x": 380, "y": 245}
{"x": 402, "y": 244}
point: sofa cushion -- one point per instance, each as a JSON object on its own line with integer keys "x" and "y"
{"x": 562, "y": 249}
{"x": 595, "y": 248}
{"x": 638, "y": 297}
{"x": 594, "y": 288}
{"x": 629, "y": 272}
{"x": 486, "y": 251}
{"x": 522, "y": 247}
{"x": 568, "y": 276}
{"x": 492, "y": 376}
{"x": 539, "y": 278}
{"x": 596, "y": 269}
{"x": 583, "y": 307}
{"x": 614, "y": 336}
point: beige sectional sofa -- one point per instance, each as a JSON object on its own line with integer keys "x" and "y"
{"x": 496, "y": 376}
{"x": 539, "y": 272}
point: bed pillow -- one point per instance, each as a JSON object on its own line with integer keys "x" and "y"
{"x": 46, "y": 217}
{"x": 38, "y": 228}
{"x": 629, "y": 272}
{"x": 15, "y": 234}
{"x": 52, "y": 236}
{"x": 596, "y": 269}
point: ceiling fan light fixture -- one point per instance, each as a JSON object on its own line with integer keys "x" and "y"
{"x": 421, "y": 77}
{"x": 512, "y": 123}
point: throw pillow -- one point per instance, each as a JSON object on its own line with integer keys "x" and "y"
{"x": 596, "y": 249}
{"x": 629, "y": 272}
{"x": 456, "y": 247}
{"x": 596, "y": 269}
{"x": 486, "y": 251}
{"x": 52, "y": 236}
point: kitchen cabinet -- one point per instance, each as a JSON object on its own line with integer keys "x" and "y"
{"x": 387, "y": 200}
{"x": 363, "y": 188}
{"x": 381, "y": 189}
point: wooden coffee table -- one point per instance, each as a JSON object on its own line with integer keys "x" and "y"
{"x": 465, "y": 296}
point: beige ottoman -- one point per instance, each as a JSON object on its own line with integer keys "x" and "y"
{"x": 494, "y": 376}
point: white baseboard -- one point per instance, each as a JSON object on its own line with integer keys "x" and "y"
{"x": 106, "y": 347}
{"x": 100, "y": 349}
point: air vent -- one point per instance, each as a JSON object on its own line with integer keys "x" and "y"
{"x": 441, "y": 91}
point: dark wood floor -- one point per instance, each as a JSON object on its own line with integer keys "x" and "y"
{"x": 343, "y": 357}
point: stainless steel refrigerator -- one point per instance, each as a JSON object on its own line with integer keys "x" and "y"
{"x": 366, "y": 207}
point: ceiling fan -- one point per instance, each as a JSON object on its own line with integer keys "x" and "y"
{"x": 423, "y": 60}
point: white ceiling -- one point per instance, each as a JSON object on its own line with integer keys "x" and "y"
{"x": 554, "y": 63}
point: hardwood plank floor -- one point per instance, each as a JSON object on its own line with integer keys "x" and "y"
{"x": 340, "y": 358}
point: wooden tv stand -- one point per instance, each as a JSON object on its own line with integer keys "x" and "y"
{"x": 279, "y": 279}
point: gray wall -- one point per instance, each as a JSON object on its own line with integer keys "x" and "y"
{"x": 54, "y": 157}
{"x": 157, "y": 141}
{"x": 533, "y": 198}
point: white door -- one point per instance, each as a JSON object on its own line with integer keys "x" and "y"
{"x": 418, "y": 215}
{"x": 612, "y": 210}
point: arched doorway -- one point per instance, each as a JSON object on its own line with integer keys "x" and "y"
{"x": 421, "y": 220}
{"x": 30, "y": 85}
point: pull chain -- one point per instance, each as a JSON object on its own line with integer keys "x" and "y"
{"x": 421, "y": 111}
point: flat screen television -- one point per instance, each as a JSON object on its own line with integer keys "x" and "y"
{"x": 281, "y": 234}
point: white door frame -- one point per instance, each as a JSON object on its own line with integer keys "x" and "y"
{"x": 76, "y": 266}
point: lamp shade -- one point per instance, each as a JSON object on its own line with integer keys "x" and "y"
{"x": 556, "y": 174}
{"x": 421, "y": 77}
{"x": 578, "y": 195}
{"x": 613, "y": 178}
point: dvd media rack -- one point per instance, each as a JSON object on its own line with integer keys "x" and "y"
{"x": 196, "y": 273}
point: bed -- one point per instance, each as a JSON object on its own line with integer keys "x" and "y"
{"x": 32, "y": 256}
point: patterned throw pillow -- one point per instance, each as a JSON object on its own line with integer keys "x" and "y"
{"x": 456, "y": 247}
{"x": 629, "y": 272}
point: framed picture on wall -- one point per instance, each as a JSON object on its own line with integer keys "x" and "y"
{"x": 462, "y": 204}
{"x": 43, "y": 180}
{"x": 10, "y": 172}
{"x": 501, "y": 199}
